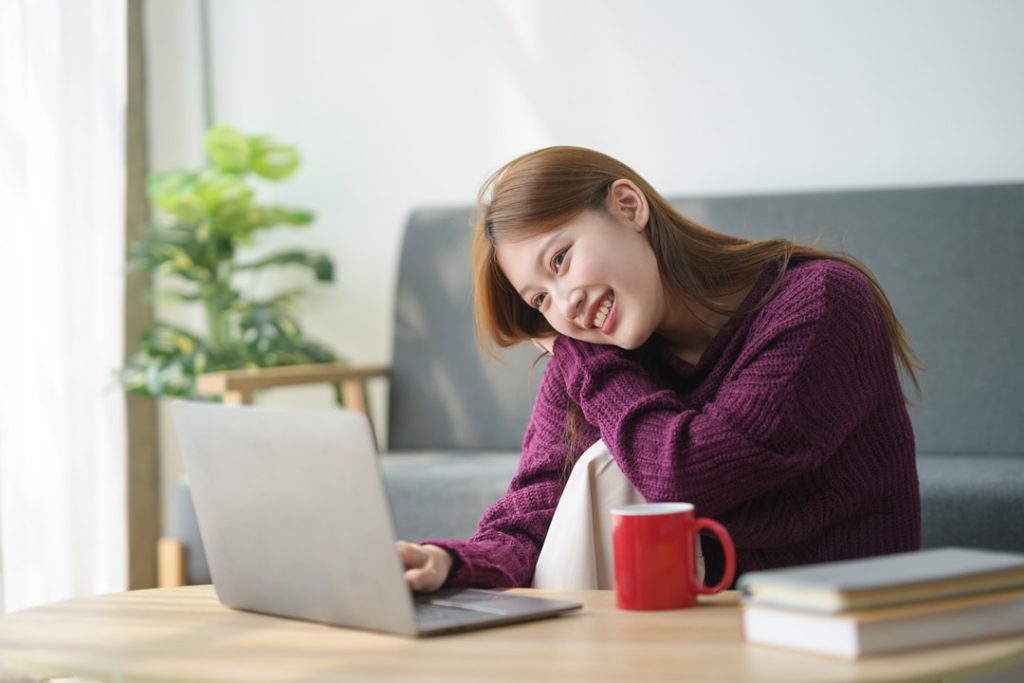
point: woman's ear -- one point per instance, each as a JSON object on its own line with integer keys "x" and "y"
{"x": 626, "y": 201}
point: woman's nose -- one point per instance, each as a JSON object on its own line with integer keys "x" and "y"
{"x": 570, "y": 302}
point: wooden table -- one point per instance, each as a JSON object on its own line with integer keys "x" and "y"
{"x": 184, "y": 634}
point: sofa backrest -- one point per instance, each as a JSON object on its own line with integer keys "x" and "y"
{"x": 446, "y": 392}
{"x": 948, "y": 257}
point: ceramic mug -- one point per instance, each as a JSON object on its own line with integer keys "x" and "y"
{"x": 655, "y": 561}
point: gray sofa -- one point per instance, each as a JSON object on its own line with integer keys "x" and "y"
{"x": 950, "y": 259}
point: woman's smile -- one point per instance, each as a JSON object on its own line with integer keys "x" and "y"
{"x": 603, "y": 320}
{"x": 599, "y": 311}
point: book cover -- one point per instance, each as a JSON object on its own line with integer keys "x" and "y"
{"x": 850, "y": 635}
{"x": 886, "y": 580}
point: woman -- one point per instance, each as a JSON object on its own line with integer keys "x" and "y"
{"x": 755, "y": 379}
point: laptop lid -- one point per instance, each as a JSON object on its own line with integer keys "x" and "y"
{"x": 294, "y": 515}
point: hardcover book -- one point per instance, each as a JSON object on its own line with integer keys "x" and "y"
{"x": 902, "y": 578}
{"x": 877, "y": 631}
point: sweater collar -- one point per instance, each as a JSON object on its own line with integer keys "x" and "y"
{"x": 721, "y": 339}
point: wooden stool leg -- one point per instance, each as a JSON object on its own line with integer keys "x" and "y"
{"x": 353, "y": 394}
{"x": 171, "y": 555}
{"x": 237, "y": 398}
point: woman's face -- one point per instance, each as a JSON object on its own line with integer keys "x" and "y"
{"x": 594, "y": 278}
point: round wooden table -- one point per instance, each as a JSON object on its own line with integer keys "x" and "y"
{"x": 184, "y": 634}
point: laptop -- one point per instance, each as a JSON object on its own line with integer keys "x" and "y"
{"x": 295, "y": 521}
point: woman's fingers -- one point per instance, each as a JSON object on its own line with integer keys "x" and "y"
{"x": 412, "y": 554}
{"x": 421, "y": 580}
{"x": 421, "y": 574}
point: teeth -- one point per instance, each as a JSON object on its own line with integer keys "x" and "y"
{"x": 602, "y": 313}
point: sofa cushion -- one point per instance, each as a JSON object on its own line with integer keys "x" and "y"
{"x": 441, "y": 495}
{"x": 974, "y": 501}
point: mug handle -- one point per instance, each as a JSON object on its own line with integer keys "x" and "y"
{"x": 730, "y": 555}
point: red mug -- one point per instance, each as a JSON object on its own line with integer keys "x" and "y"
{"x": 655, "y": 561}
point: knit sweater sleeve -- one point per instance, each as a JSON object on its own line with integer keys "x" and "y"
{"x": 805, "y": 377}
{"x": 504, "y": 549}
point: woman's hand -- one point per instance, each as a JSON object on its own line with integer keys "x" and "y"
{"x": 426, "y": 566}
{"x": 546, "y": 344}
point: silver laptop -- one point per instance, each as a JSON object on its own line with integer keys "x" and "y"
{"x": 295, "y": 522}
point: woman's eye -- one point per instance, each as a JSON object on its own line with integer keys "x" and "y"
{"x": 537, "y": 300}
{"x": 556, "y": 262}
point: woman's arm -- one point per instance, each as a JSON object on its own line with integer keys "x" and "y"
{"x": 809, "y": 372}
{"x": 503, "y": 551}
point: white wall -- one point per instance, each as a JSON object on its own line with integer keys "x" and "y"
{"x": 400, "y": 103}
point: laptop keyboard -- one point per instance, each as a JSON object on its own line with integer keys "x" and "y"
{"x": 452, "y": 608}
{"x": 491, "y": 602}
{"x": 430, "y": 615}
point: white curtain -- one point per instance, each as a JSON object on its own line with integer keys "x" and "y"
{"x": 63, "y": 529}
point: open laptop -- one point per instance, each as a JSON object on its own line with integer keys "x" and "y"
{"x": 295, "y": 522}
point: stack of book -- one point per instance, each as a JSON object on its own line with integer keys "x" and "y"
{"x": 886, "y": 604}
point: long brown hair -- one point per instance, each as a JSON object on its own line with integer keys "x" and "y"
{"x": 543, "y": 190}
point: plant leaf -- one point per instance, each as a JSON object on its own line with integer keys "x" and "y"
{"x": 318, "y": 262}
{"x": 267, "y": 216}
{"x": 228, "y": 150}
{"x": 174, "y": 193}
{"x": 273, "y": 160}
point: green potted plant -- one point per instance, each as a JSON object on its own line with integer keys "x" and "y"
{"x": 204, "y": 218}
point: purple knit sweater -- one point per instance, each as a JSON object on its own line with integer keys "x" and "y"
{"x": 791, "y": 430}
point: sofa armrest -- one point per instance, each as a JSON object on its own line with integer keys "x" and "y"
{"x": 237, "y": 386}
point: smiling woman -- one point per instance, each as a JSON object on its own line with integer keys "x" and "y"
{"x": 757, "y": 380}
